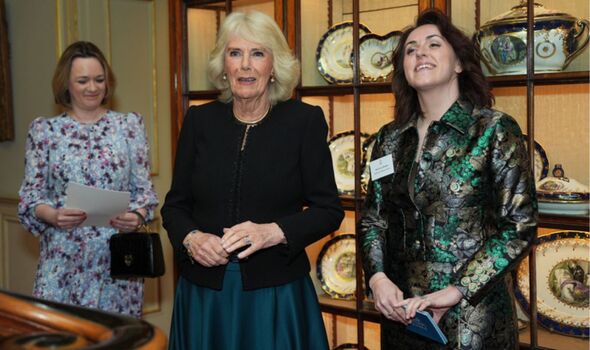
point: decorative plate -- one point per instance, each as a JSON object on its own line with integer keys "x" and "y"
{"x": 541, "y": 161}
{"x": 336, "y": 267}
{"x": 334, "y": 51}
{"x": 376, "y": 55}
{"x": 563, "y": 269}
{"x": 342, "y": 149}
{"x": 366, "y": 171}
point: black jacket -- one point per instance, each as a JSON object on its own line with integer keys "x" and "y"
{"x": 285, "y": 166}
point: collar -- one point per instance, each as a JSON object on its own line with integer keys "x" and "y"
{"x": 459, "y": 117}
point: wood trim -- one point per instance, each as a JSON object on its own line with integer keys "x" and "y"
{"x": 176, "y": 72}
{"x": 285, "y": 18}
{"x": 6, "y": 116}
{"x": 105, "y": 330}
{"x": 53, "y": 319}
{"x": 439, "y": 4}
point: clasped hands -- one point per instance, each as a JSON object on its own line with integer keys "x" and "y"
{"x": 389, "y": 300}
{"x": 211, "y": 250}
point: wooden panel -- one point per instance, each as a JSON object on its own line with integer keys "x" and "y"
{"x": 19, "y": 251}
{"x": 133, "y": 45}
{"x": 6, "y": 117}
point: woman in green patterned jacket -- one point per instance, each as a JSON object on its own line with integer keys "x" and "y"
{"x": 451, "y": 206}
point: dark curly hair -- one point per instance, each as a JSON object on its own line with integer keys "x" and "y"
{"x": 473, "y": 85}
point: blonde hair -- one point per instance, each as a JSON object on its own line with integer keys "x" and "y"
{"x": 256, "y": 27}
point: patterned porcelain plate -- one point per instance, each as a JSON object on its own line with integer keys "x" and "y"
{"x": 541, "y": 162}
{"x": 334, "y": 52}
{"x": 563, "y": 269}
{"x": 366, "y": 172}
{"x": 342, "y": 148}
{"x": 336, "y": 267}
{"x": 376, "y": 55}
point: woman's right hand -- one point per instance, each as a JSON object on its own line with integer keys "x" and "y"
{"x": 63, "y": 218}
{"x": 385, "y": 295}
{"x": 206, "y": 249}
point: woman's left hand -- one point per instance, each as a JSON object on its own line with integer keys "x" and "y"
{"x": 438, "y": 302}
{"x": 126, "y": 222}
{"x": 257, "y": 236}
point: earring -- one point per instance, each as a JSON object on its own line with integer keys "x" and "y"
{"x": 272, "y": 79}
{"x": 224, "y": 76}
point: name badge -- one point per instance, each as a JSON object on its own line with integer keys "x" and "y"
{"x": 381, "y": 167}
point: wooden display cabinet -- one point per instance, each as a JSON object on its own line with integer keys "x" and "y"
{"x": 552, "y": 106}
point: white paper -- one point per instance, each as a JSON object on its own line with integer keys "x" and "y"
{"x": 99, "y": 205}
{"x": 381, "y": 167}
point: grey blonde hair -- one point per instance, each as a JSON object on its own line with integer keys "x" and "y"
{"x": 256, "y": 27}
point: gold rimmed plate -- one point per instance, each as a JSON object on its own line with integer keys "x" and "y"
{"x": 563, "y": 267}
{"x": 334, "y": 52}
{"x": 376, "y": 56}
{"x": 336, "y": 267}
{"x": 342, "y": 149}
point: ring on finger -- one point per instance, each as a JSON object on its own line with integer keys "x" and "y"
{"x": 247, "y": 240}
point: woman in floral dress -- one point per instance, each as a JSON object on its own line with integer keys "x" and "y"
{"x": 456, "y": 209}
{"x": 90, "y": 145}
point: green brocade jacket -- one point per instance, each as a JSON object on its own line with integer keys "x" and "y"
{"x": 464, "y": 215}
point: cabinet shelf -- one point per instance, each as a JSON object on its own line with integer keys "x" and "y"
{"x": 541, "y": 79}
{"x": 385, "y": 87}
{"x": 202, "y": 95}
{"x": 344, "y": 89}
{"x": 563, "y": 222}
{"x": 495, "y": 81}
{"x": 347, "y": 308}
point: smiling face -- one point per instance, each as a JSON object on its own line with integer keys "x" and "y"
{"x": 87, "y": 84}
{"x": 248, "y": 67}
{"x": 429, "y": 61}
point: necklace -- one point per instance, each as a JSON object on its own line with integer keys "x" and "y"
{"x": 251, "y": 122}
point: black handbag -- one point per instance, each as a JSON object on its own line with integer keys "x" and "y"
{"x": 136, "y": 254}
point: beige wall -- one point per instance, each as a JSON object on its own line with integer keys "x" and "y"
{"x": 134, "y": 36}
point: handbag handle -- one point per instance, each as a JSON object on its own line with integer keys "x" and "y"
{"x": 142, "y": 223}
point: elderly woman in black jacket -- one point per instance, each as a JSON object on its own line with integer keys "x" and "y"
{"x": 253, "y": 185}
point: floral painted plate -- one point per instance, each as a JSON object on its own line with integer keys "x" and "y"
{"x": 366, "y": 172}
{"x": 376, "y": 56}
{"x": 563, "y": 269}
{"x": 336, "y": 267}
{"x": 333, "y": 54}
{"x": 342, "y": 149}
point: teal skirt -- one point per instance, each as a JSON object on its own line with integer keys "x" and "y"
{"x": 283, "y": 317}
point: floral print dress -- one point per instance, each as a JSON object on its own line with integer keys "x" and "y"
{"x": 463, "y": 215}
{"x": 112, "y": 153}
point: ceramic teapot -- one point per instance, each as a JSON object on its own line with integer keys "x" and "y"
{"x": 559, "y": 37}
